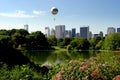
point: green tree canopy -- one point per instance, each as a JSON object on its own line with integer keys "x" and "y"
{"x": 94, "y": 41}
{"x": 65, "y": 42}
{"x": 112, "y": 42}
{"x": 5, "y": 41}
{"x": 37, "y": 40}
{"x": 80, "y": 44}
{"x": 3, "y": 32}
{"x": 52, "y": 40}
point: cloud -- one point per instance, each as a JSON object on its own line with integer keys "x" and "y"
{"x": 17, "y": 14}
{"x": 38, "y": 12}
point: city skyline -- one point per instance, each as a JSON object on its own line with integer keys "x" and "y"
{"x": 60, "y": 32}
{"x": 98, "y": 14}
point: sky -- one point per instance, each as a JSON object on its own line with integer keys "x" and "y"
{"x": 97, "y": 14}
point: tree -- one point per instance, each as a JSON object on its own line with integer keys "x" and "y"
{"x": 18, "y": 39}
{"x": 5, "y": 41}
{"x": 112, "y": 42}
{"x": 99, "y": 45}
{"x": 80, "y": 44}
{"x": 52, "y": 40}
{"x": 3, "y": 32}
{"x": 94, "y": 41}
{"x": 37, "y": 41}
{"x": 20, "y": 31}
{"x": 64, "y": 42}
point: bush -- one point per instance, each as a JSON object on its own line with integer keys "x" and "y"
{"x": 69, "y": 47}
{"x": 23, "y": 72}
{"x": 94, "y": 68}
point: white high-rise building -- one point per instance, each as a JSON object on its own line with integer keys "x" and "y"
{"x": 47, "y": 31}
{"x": 60, "y": 31}
{"x": 26, "y": 27}
{"x": 110, "y": 30}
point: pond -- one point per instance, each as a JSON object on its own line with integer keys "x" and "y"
{"x": 56, "y": 56}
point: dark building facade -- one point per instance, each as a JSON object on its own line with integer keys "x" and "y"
{"x": 73, "y": 32}
{"x": 84, "y": 32}
{"x": 118, "y": 29}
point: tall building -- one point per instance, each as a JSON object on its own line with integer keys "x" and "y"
{"x": 95, "y": 35}
{"x": 26, "y": 27}
{"x": 60, "y": 31}
{"x": 73, "y": 32}
{"x": 118, "y": 29}
{"x": 77, "y": 35}
{"x": 101, "y": 33}
{"x": 110, "y": 30}
{"x": 47, "y": 31}
{"x": 68, "y": 33}
{"x": 52, "y": 32}
{"x": 90, "y": 34}
{"x": 84, "y": 32}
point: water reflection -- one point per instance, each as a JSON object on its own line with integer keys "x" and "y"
{"x": 56, "y": 57}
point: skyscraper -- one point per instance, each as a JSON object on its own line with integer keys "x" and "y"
{"x": 26, "y": 27}
{"x": 73, "y": 32}
{"x": 60, "y": 31}
{"x": 47, "y": 31}
{"x": 101, "y": 33}
{"x": 90, "y": 34}
{"x": 52, "y": 32}
{"x": 118, "y": 29}
{"x": 84, "y": 32}
{"x": 110, "y": 30}
{"x": 68, "y": 33}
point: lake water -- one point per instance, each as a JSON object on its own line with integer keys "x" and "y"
{"x": 56, "y": 57}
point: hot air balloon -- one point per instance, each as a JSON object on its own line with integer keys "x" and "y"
{"x": 54, "y": 10}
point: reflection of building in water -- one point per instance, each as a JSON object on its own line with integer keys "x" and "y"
{"x": 58, "y": 61}
{"x": 47, "y": 31}
{"x": 46, "y": 64}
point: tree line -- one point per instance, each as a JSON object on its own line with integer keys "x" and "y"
{"x": 110, "y": 42}
{"x": 22, "y": 39}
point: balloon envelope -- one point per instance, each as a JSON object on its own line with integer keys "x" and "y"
{"x": 54, "y": 10}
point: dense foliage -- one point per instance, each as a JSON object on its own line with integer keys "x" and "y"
{"x": 12, "y": 61}
{"x": 96, "y": 43}
{"x": 112, "y": 42}
{"x": 102, "y": 67}
{"x": 20, "y": 38}
{"x": 23, "y": 72}
{"x": 80, "y": 44}
{"x": 52, "y": 40}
